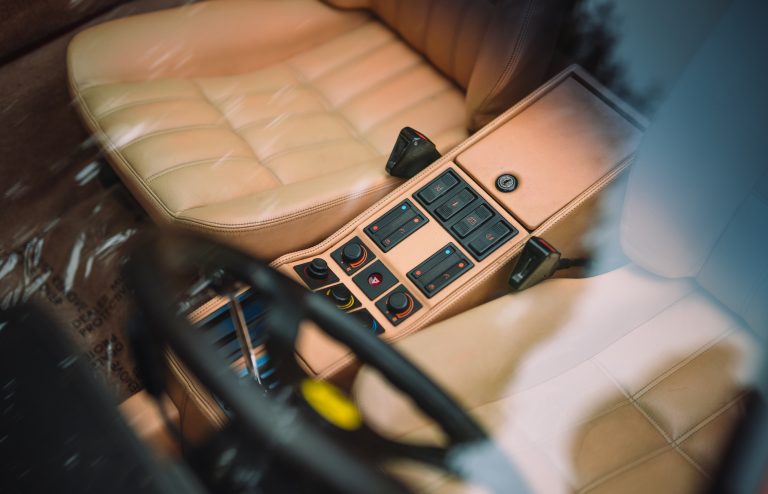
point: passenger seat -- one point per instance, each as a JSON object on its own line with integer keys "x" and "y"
{"x": 267, "y": 123}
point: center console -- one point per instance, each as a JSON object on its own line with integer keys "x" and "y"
{"x": 446, "y": 239}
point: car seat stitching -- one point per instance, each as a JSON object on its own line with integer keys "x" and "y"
{"x": 232, "y": 128}
{"x": 696, "y": 353}
{"x": 459, "y": 30}
{"x": 149, "y": 101}
{"x": 415, "y": 66}
{"x": 194, "y": 163}
{"x": 388, "y": 118}
{"x": 391, "y": 39}
{"x": 350, "y": 126}
{"x": 513, "y": 58}
{"x": 172, "y": 130}
{"x": 306, "y": 147}
{"x": 652, "y": 420}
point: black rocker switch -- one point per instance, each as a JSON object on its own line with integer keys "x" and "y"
{"x": 316, "y": 273}
{"x": 412, "y": 153}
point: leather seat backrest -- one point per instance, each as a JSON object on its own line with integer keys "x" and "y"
{"x": 497, "y": 51}
{"x": 697, "y": 198}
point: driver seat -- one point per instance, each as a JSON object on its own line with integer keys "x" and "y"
{"x": 632, "y": 380}
{"x": 268, "y": 123}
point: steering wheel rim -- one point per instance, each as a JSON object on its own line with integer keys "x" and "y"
{"x": 149, "y": 271}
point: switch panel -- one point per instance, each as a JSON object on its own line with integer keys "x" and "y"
{"x": 474, "y": 223}
{"x": 368, "y": 321}
{"x": 375, "y": 280}
{"x": 396, "y": 225}
{"x": 440, "y": 270}
{"x": 398, "y": 305}
{"x": 353, "y": 256}
{"x": 341, "y": 297}
{"x": 315, "y": 273}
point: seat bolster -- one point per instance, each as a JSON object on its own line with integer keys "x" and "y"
{"x": 191, "y": 41}
{"x": 508, "y": 67}
{"x": 520, "y": 340}
{"x": 293, "y": 216}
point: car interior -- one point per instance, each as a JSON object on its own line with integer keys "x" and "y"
{"x": 384, "y": 246}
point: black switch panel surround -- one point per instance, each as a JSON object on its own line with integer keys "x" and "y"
{"x": 314, "y": 283}
{"x": 349, "y": 303}
{"x": 375, "y": 280}
{"x": 396, "y": 225}
{"x": 397, "y": 317}
{"x": 466, "y": 216}
{"x": 368, "y": 321}
{"x": 440, "y": 270}
{"x": 351, "y": 267}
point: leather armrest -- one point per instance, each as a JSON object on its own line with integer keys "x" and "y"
{"x": 191, "y": 41}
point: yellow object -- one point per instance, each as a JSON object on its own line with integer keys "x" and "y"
{"x": 327, "y": 400}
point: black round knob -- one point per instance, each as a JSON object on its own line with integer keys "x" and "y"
{"x": 318, "y": 269}
{"x": 340, "y": 295}
{"x": 352, "y": 253}
{"x": 398, "y": 302}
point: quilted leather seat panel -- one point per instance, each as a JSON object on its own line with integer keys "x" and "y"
{"x": 306, "y": 137}
{"x": 595, "y": 403}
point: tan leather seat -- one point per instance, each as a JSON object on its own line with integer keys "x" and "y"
{"x": 629, "y": 381}
{"x": 268, "y": 122}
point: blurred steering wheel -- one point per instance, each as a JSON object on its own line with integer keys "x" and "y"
{"x": 308, "y": 425}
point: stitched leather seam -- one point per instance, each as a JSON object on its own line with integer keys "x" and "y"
{"x": 186, "y": 164}
{"x": 157, "y": 133}
{"x": 696, "y": 428}
{"x": 513, "y": 58}
{"x": 232, "y": 128}
{"x": 333, "y": 110}
{"x": 366, "y": 92}
{"x": 143, "y": 190}
{"x": 237, "y": 228}
{"x": 150, "y": 101}
{"x": 267, "y": 121}
{"x": 457, "y": 34}
{"x": 122, "y": 166}
{"x": 420, "y": 101}
{"x": 391, "y": 39}
{"x": 688, "y": 359}
{"x": 239, "y": 95}
{"x": 314, "y": 145}
{"x": 427, "y": 27}
{"x": 624, "y": 468}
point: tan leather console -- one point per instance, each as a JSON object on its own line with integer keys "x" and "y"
{"x": 564, "y": 143}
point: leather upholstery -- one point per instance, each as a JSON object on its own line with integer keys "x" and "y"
{"x": 258, "y": 120}
{"x": 498, "y": 52}
{"x": 630, "y": 381}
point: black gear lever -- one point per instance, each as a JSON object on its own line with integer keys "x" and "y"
{"x": 412, "y": 153}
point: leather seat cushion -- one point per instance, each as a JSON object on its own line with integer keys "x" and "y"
{"x": 286, "y": 140}
{"x": 632, "y": 385}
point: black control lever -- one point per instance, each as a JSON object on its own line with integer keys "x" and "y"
{"x": 412, "y": 153}
{"x": 538, "y": 261}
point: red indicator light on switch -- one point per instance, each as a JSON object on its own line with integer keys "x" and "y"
{"x": 375, "y": 227}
